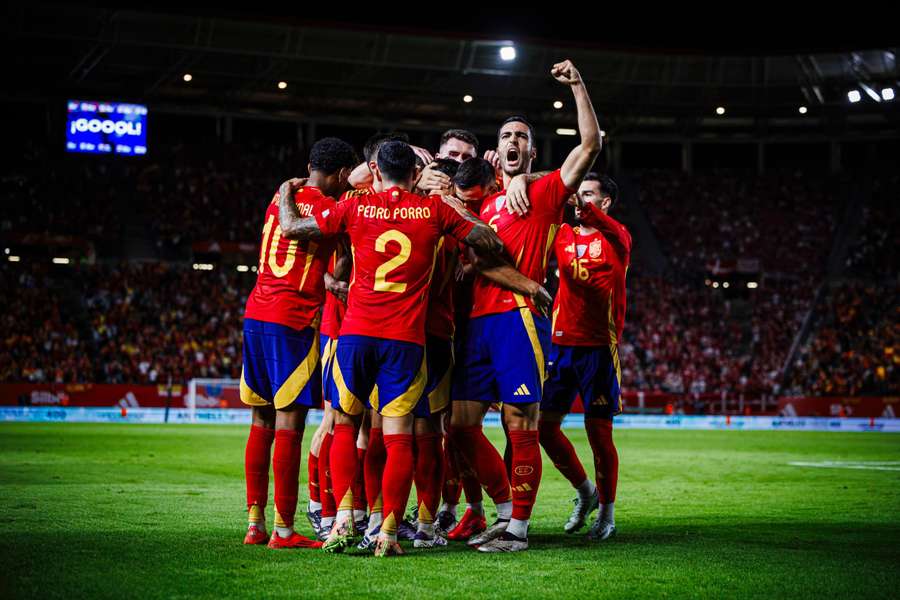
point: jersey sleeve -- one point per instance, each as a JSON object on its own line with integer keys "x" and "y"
{"x": 611, "y": 229}
{"x": 334, "y": 219}
{"x": 452, "y": 222}
{"x": 549, "y": 193}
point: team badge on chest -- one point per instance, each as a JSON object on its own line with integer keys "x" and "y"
{"x": 595, "y": 249}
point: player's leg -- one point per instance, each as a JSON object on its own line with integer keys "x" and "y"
{"x": 598, "y": 422}
{"x": 428, "y": 479}
{"x": 360, "y": 502}
{"x": 326, "y": 489}
{"x": 373, "y": 472}
{"x": 256, "y": 392}
{"x": 402, "y": 376}
{"x": 294, "y": 372}
{"x": 474, "y": 389}
{"x": 314, "y": 508}
{"x": 451, "y": 489}
{"x": 519, "y": 368}
{"x": 352, "y": 369}
{"x": 556, "y": 402}
{"x": 256, "y": 469}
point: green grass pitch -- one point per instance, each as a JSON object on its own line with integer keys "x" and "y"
{"x": 112, "y": 511}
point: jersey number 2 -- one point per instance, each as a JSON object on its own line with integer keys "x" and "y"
{"x": 381, "y": 282}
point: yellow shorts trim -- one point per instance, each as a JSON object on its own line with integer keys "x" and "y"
{"x": 439, "y": 398}
{"x": 298, "y": 380}
{"x": 403, "y": 404}
{"x": 350, "y": 404}
{"x": 528, "y": 320}
{"x": 248, "y": 396}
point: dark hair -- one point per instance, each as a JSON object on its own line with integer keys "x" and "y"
{"x": 396, "y": 160}
{"x": 370, "y": 150}
{"x": 473, "y": 172}
{"x": 447, "y": 166}
{"x": 518, "y": 119}
{"x": 608, "y": 187}
{"x": 330, "y": 155}
{"x": 460, "y": 134}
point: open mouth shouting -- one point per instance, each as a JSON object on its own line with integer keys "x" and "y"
{"x": 513, "y": 158}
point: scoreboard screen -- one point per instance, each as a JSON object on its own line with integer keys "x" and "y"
{"x": 106, "y": 128}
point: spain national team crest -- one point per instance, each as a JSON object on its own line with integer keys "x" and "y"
{"x": 595, "y": 249}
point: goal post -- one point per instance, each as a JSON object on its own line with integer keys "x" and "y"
{"x": 212, "y": 393}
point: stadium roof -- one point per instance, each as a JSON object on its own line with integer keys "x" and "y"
{"x": 367, "y": 71}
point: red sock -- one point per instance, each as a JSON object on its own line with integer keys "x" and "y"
{"x": 471, "y": 486}
{"x": 326, "y": 493}
{"x": 343, "y": 465}
{"x": 359, "y": 482}
{"x": 526, "y": 472}
{"x": 376, "y": 454}
{"x": 476, "y": 450}
{"x": 256, "y": 465}
{"x": 312, "y": 475}
{"x": 428, "y": 472}
{"x": 606, "y": 457}
{"x": 561, "y": 452}
{"x": 286, "y": 466}
{"x": 452, "y": 488}
{"x": 397, "y": 479}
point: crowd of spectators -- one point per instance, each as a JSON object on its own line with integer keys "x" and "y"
{"x": 874, "y": 254}
{"x": 732, "y": 215}
{"x": 855, "y": 347}
{"x": 128, "y": 323}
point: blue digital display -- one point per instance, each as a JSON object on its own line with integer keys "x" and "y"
{"x": 106, "y": 128}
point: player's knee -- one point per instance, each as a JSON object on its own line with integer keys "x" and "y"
{"x": 263, "y": 416}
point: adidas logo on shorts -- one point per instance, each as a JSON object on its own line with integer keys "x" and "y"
{"x": 522, "y": 391}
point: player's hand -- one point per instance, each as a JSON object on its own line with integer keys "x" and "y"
{"x": 517, "y": 195}
{"x": 542, "y": 299}
{"x": 424, "y": 154}
{"x": 493, "y": 157}
{"x": 456, "y": 203}
{"x": 339, "y": 289}
{"x": 463, "y": 271}
{"x": 291, "y": 186}
{"x": 432, "y": 179}
{"x": 565, "y": 72}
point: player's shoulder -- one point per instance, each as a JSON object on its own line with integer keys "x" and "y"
{"x": 357, "y": 193}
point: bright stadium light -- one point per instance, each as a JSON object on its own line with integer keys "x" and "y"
{"x": 203, "y": 267}
{"x": 707, "y": 282}
{"x": 60, "y": 261}
{"x": 752, "y": 285}
{"x": 467, "y": 98}
{"x": 566, "y": 131}
{"x": 6, "y": 251}
{"x": 602, "y": 133}
{"x": 282, "y": 85}
{"x": 715, "y": 284}
{"x": 14, "y": 258}
{"x": 243, "y": 268}
{"x": 725, "y": 284}
{"x": 854, "y": 96}
{"x": 253, "y": 268}
{"x": 508, "y": 53}
{"x": 720, "y": 110}
{"x": 187, "y": 77}
{"x": 558, "y": 104}
{"x": 887, "y": 93}
{"x": 870, "y": 92}
{"x": 802, "y": 110}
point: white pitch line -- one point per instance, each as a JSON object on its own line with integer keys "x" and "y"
{"x": 869, "y": 466}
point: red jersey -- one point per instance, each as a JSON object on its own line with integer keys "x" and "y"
{"x": 589, "y": 309}
{"x": 334, "y": 309}
{"x": 440, "y": 320}
{"x": 527, "y": 240}
{"x": 395, "y": 237}
{"x": 290, "y": 285}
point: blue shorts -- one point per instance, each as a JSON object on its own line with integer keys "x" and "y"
{"x": 591, "y": 371}
{"x": 439, "y": 362}
{"x": 281, "y": 365}
{"x": 369, "y": 372}
{"x": 327, "y": 344}
{"x": 502, "y": 358}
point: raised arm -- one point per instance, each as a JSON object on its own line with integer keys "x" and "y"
{"x": 294, "y": 226}
{"x": 582, "y": 157}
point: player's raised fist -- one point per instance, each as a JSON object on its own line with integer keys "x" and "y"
{"x": 494, "y": 158}
{"x": 565, "y": 72}
{"x": 290, "y": 186}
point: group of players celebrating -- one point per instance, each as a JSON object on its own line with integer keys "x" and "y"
{"x": 410, "y": 306}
